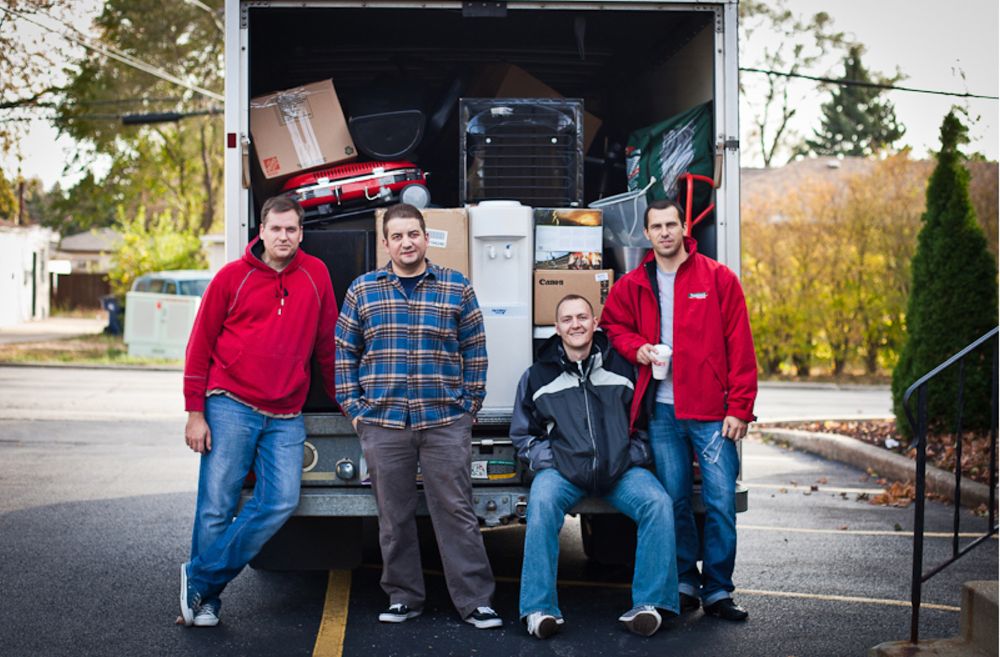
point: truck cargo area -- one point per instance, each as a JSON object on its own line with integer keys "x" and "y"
{"x": 631, "y": 67}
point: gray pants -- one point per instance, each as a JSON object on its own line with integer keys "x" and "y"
{"x": 445, "y": 455}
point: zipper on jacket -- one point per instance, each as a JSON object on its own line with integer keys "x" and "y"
{"x": 590, "y": 424}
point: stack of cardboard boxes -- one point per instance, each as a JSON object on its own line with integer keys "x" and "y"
{"x": 568, "y": 248}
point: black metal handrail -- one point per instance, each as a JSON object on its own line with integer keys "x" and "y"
{"x": 919, "y": 427}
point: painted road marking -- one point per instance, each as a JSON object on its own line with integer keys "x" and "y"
{"x": 857, "y": 532}
{"x": 774, "y": 594}
{"x": 847, "y": 598}
{"x": 330, "y": 637}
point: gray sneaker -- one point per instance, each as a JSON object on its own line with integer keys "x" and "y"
{"x": 208, "y": 614}
{"x": 190, "y": 599}
{"x": 643, "y": 620}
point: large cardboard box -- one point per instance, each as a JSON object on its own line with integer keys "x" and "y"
{"x": 509, "y": 81}
{"x": 568, "y": 238}
{"x": 552, "y": 285}
{"x": 448, "y": 238}
{"x": 299, "y": 128}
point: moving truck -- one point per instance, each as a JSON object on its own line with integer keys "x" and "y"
{"x": 409, "y": 64}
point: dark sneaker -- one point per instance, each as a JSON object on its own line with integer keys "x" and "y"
{"x": 689, "y": 603}
{"x": 190, "y": 599}
{"x": 643, "y": 620}
{"x": 208, "y": 614}
{"x": 484, "y": 618}
{"x": 726, "y": 609}
{"x": 542, "y": 625}
{"x": 398, "y": 613}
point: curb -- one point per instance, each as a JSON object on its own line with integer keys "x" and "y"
{"x": 823, "y": 385}
{"x": 887, "y": 464}
{"x": 97, "y": 366}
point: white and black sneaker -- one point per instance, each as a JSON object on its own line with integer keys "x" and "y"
{"x": 208, "y": 614}
{"x": 542, "y": 625}
{"x": 190, "y": 598}
{"x": 484, "y": 618}
{"x": 643, "y": 620}
{"x": 398, "y": 613}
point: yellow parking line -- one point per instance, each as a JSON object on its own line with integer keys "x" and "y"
{"x": 330, "y": 638}
{"x": 775, "y": 594}
{"x": 846, "y": 598}
{"x": 857, "y": 532}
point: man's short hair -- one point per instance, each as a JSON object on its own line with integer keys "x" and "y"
{"x": 401, "y": 211}
{"x": 280, "y": 204}
{"x": 663, "y": 204}
{"x": 573, "y": 297}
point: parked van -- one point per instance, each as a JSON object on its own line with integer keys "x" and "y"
{"x": 185, "y": 282}
{"x": 160, "y": 311}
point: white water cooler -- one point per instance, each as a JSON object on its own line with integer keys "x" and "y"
{"x": 502, "y": 254}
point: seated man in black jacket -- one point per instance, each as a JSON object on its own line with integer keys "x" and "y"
{"x": 571, "y": 425}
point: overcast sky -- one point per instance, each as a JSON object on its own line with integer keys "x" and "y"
{"x": 931, "y": 42}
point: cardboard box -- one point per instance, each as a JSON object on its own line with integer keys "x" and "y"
{"x": 448, "y": 238}
{"x": 509, "y": 81}
{"x": 568, "y": 238}
{"x": 298, "y": 129}
{"x": 552, "y": 285}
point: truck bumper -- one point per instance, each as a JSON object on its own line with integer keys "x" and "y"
{"x": 494, "y": 505}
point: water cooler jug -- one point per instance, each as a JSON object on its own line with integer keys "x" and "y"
{"x": 502, "y": 252}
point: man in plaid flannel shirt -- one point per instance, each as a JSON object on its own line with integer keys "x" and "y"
{"x": 411, "y": 374}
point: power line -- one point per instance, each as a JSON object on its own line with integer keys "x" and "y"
{"x": 864, "y": 83}
{"x": 43, "y": 106}
{"x": 111, "y": 53}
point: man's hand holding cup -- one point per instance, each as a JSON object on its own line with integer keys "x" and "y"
{"x": 660, "y": 361}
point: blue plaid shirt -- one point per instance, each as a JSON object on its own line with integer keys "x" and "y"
{"x": 417, "y": 361}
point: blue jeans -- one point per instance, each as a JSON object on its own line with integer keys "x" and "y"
{"x": 223, "y": 542}
{"x": 639, "y": 496}
{"x": 674, "y": 444}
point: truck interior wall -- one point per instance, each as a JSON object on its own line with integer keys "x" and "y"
{"x": 680, "y": 83}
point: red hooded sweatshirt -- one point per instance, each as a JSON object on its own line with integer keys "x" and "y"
{"x": 256, "y": 331}
{"x": 714, "y": 366}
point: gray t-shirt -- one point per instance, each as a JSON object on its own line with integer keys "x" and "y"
{"x": 665, "y": 281}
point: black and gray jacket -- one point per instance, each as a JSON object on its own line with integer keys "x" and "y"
{"x": 575, "y": 416}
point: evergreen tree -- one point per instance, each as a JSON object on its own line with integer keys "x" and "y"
{"x": 953, "y": 298}
{"x": 857, "y": 120}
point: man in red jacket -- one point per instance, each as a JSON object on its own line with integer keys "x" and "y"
{"x": 246, "y": 377}
{"x": 695, "y": 305}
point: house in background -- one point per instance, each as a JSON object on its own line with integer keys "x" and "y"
{"x": 24, "y": 277}
{"x": 84, "y": 281}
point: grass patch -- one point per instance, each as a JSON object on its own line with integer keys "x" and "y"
{"x": 96, "y": 349}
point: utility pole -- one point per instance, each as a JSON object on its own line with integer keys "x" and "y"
{"x": 19, "y": 218}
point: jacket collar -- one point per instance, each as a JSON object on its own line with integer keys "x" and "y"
{"x": 432, "y": 271}
{"x": 646, "y": 268}
{"x": 552, "y": 352}
{"x": 253, "y": 255}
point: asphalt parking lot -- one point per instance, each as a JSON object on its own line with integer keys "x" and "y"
{"x": 95, "y": 516}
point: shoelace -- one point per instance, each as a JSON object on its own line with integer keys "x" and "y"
{"x": 486, "y": 610}
{"x": 397, "y": 608}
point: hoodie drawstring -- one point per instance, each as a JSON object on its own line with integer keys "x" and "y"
{"x": 281, "y": 292}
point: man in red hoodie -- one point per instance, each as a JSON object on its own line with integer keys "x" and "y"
{"x": 246, "y": 377}
{"x": 695, "y": 305}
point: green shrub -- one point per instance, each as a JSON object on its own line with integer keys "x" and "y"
{"x": 953, "y": 298}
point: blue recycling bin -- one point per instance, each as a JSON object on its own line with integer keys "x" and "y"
{"x": 116, "y": 314}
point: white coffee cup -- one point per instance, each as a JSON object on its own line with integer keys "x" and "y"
{"x": 661, "y": 363}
